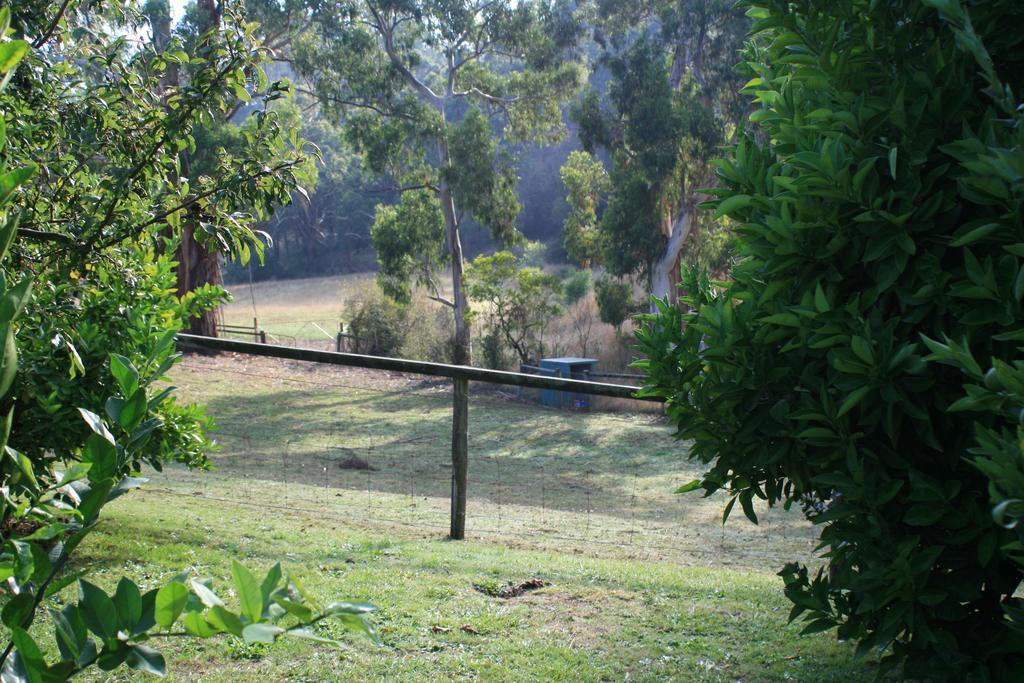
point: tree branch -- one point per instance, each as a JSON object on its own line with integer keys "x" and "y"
{"x": 387, "y": 33}
{"x": 45, "y": 38}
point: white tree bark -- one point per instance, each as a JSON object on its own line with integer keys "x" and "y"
{"x": 664, "y": 274}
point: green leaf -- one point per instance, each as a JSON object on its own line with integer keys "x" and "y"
{"x": 226, "y": 621}
{"x": 17, "y": 609}
{"x": 249, "y": 594}
{"x": 205, "y": 595}
{"x": 125, "y": 374}
{"x": 75, "y": 472}
{"x": 784, "y": 319}
{"x": 128, "y": 601}
{"x": 170, "y": 601}
{"x": 12, "y": 52}
{"x": 853, "y": 399}
{"x": 297, "y": 610}
{"x": 820, "y": 300}
{"x": 196, "y": 625}
{"x": 336, "y": 608}
{"x": 133, "y": 410}
{"x": 97, "y": 610}
{"x": 270, "y": 582}
{"x": 734, "y": 203}
{"x": 690, "y": 486}
{"x": 10, "y": 181}
{"x": 143, "y": 658}
{"x": 975, "y": 235}
{"x": 101, "y": 456}
{"x": 261, "y": 633}
{"x": 95, "y": 499}
{"x": 8, "y": 359}
{"x": 747, "y": 503}
{"x": 728, "y": 509}
{"x": 96, "y": 424}
{"x": 15, "y": 299}
{"x": 893, "y": 155}
{"x": 818, "y": 626}
{"x": 862, "y": 348}
{"x": 30, "y": 654}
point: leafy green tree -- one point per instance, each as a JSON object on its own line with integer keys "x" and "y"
{"x": 614, "y": 301}
{"x": 586, "y": 183}
{"x": 863, "y": 363}
{"x": 424, "y": 89}
{"x": 670, "y": 106}
{"x": 49, "y": 505}
{"x": 109, "y": 205}
{"x": 520, "y": 302}
{"x": 225, "y": 131}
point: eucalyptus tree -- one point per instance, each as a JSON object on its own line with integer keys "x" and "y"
{"x": 671, "y": 103}
{"x": 429, "y": 92}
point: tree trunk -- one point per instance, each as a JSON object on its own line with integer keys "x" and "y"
{"x": 197, "y": 265}
{"x": 462, "y": 348}
{"x": 665, "y": 274}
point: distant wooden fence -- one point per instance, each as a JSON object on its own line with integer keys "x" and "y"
{"x": 257, "y": 334}
{"x": 461, "y": 376}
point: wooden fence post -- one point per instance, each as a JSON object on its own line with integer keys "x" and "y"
{"x": 460, "y": 456}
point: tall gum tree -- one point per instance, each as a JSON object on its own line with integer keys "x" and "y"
{"x": 432, "y": 93}
{"x": 670, "y": 104}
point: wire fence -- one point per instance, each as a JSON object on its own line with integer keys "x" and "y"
{"x": 375, "y": 448}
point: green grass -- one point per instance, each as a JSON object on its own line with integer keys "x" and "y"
{"x": 599, "y": 619}
{"x": 642, "y": 585}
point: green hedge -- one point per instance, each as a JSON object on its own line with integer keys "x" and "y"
{"x": 845, "y": 367}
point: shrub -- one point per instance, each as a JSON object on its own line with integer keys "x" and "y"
{"x": 519, "y": 301}
{"x": 430, "y": 331}
{"x": 377, "y": 322}
{"x": 614, "y": 301}
{"x": 492, "y": 348}
{"x": 879, "y": 208}
{"x": 576, "y": 285}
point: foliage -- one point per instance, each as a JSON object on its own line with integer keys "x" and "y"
{"x": 326, "y": 229}
{"x": 576, "y": 285}
{"x": 409, "y": 241}
{"x": 519, "y": 302}
{"x": 614, "y": 301}
{"x": 378, "y": 323}
{"x": 586, "y": 182}
{"x": 66, "y": 339}
{"x": 102, "y": 231}
{"x": 92, "y": 141}
{"x": 670, "y": 104}
{"x": 423, "y": 89}
{"x": 879, "y": 203}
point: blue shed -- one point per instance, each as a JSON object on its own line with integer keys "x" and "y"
{"x": 569, "y": 368}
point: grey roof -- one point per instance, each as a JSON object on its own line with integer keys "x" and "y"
{"x": 569, "y": 360}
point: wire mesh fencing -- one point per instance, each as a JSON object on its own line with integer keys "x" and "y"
{"x": 375, "y": 449}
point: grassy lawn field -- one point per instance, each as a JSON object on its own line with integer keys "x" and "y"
{"x": 641, "y": 585}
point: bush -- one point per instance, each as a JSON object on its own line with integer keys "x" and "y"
{"x": 614, "y": 301}
{"x": 492, "y": 348}
{"x": 576, "y": 285}
{"x": 66, "y": 337}
{"x": 879, "y": 205}
{"x": 377, "y": 322}
{"x": 430, "y": 331}
{"x": 518, "y": 301}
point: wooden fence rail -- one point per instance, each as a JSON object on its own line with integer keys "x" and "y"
{"x": 460, "y": 375}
